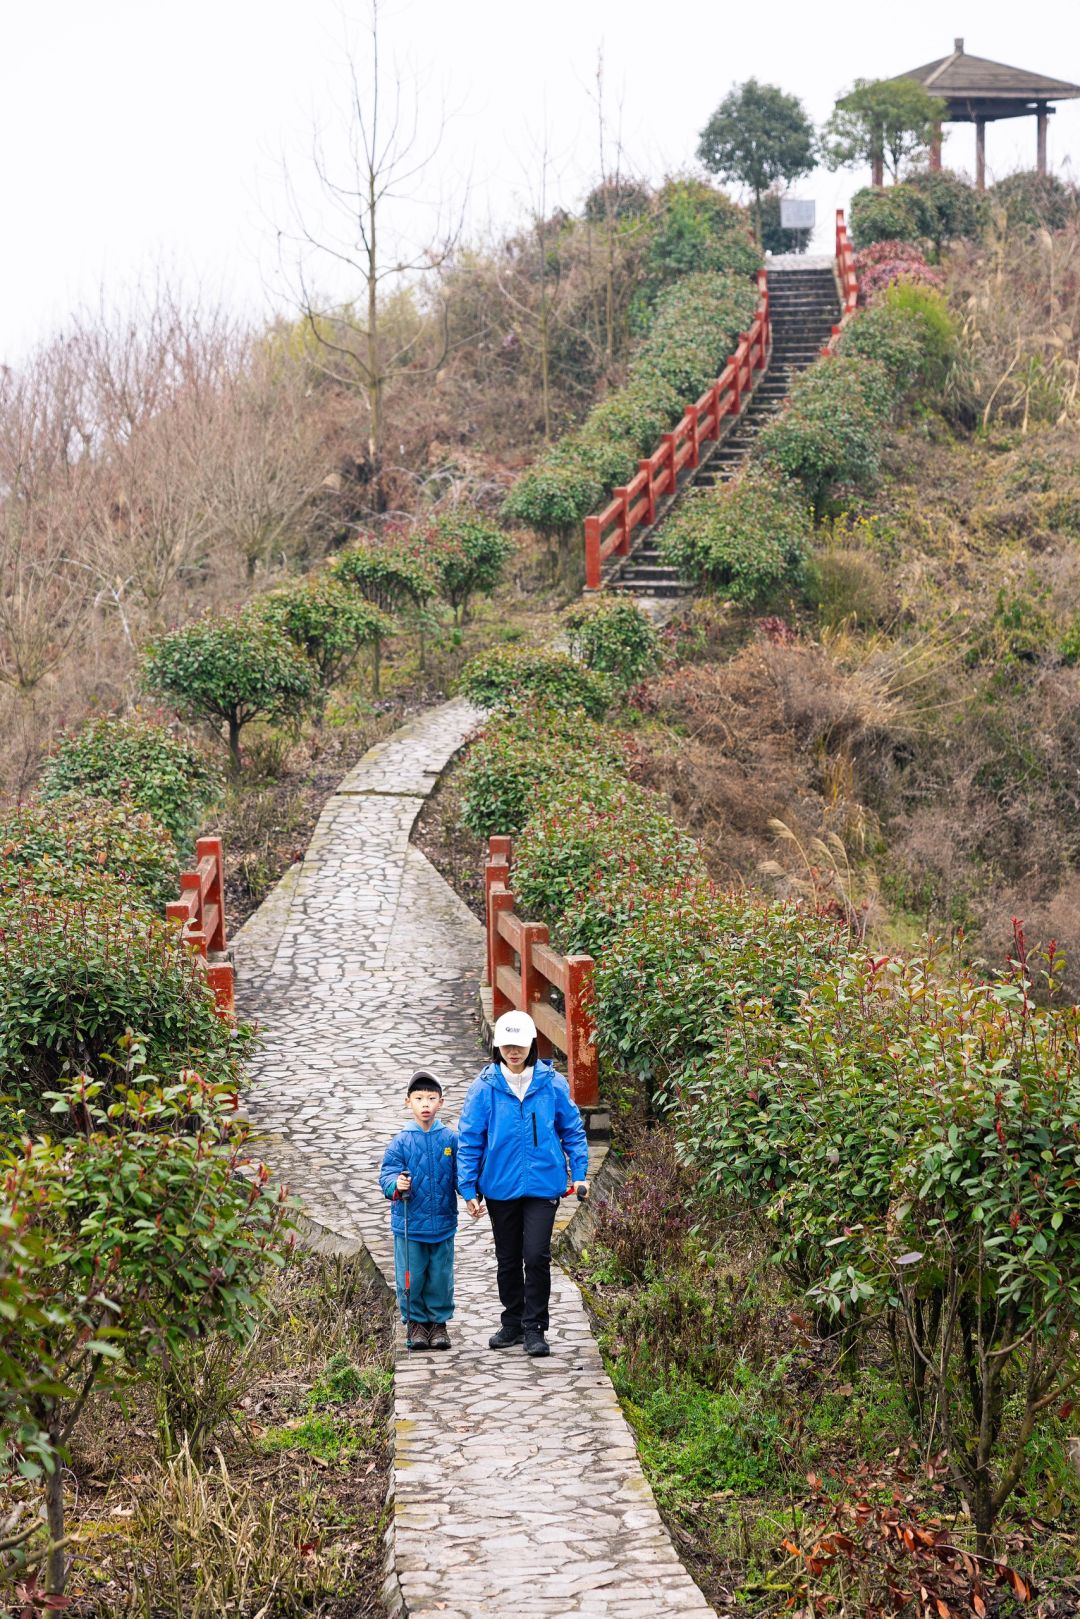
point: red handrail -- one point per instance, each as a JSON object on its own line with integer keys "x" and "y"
{"x": 200, "y": 911}
{"x": 845, "y": 275}
{"x": 522, "y": 970}
{"x": 607, "y": 533}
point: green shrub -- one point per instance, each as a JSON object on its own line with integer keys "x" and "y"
{"x": 330, "y": 623}
{"x": 613, "y": 636}
{"x": 79, "y": 834}
{"x": 470, "y": 554}
{"x": 141, "y": 1230}
{"x": 744, "y": 539}
{"x": 845, "y": 584}
{"x": 938, "y": 336}
{"x": 697, "y": 228}
{"x": 692, "y": 334}
{"x": 143, "y": 763}
{"x": 229, "y": 671}
{"x": 690, "y": 959}
{"x": 889, "y": 336}
{"x": 392, "y": 578}
{"x": 78, "y": 979}
{"x": 583, "y": 846}
{"x": 831, "y": 432}
{"x": 508, "y": 772}
{"x": 950, "y": 208}
{"x": 1031, "y": 201}
{"x": 507, "y": 676}
{"x": 894, "y": 215}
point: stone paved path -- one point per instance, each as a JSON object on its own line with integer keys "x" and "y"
{"x": 517, "y": 1486}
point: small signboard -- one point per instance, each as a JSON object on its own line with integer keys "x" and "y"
{"x": 796, "y": 214}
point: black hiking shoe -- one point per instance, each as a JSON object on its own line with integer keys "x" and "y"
{"x": 439, "y": 1337}
{"x": 505, "y": 1337}
{"x": 418, "y": 1336}
{"x": 535, "y": 1342}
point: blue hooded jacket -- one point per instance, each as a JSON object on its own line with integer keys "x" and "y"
{"x": 430, "y": 1157}
{"x": 508, "y": 1148}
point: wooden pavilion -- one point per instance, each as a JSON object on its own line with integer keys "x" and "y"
{"x": 976, "y": 91}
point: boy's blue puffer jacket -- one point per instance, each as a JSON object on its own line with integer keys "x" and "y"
{"x": 430, "y": 1157}
{"x": 508, "y": 1148}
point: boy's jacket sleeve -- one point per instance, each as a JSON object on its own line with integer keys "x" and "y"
{"x": 472, "y": 1135}
{"x": 572, "y": 1134}
{"x": 393, "y": 1165}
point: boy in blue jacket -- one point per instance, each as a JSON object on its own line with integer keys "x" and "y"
{"x": 420, "y": 1165}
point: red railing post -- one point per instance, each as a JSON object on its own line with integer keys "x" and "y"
{"x": 668, "y": 442}
{"x": 736, "y": 380}
{"x": 499, "y": 900}
{"x": 592, "y": 553}
{"x": 650, "y": 491}
{"x": 622, "y": 496}
{"x": 581, "y": 1061}
{"x": 532, "y": 984}
{"x": 496, "y": 874}
{"x": 210, "y": 849}
{"x": 695, "y": 453}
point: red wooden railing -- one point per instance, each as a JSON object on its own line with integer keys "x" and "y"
{"x": 522, "y": 970}
{"x": 845, "y": 274}
{"x": 200, "y": 910}
{"x": 607, "y": 533}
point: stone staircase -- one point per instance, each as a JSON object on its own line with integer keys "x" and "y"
{"x": 804, "y": 306}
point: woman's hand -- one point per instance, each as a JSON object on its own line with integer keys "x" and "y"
{"x": 582, "y": 1189}
{"x": 475, "y": 1206}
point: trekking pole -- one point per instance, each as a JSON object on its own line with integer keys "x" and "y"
{"x": 408, "y": 1280}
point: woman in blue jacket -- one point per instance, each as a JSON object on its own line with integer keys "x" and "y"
{"x": 518, "y": 1128}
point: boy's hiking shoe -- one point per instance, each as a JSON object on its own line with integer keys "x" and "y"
{"x": 439, "y": 1338}
{"x": 505, "y": 1337}
{"x": 535, "y": 1342}
{"x": 419, "y": 1335}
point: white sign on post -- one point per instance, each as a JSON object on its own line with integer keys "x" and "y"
{"x": 796, "y": 214}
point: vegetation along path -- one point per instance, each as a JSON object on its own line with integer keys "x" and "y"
{"x": 517, "y": 1485}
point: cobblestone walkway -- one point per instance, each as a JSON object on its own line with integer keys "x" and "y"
{"x": 517, "y": 1487}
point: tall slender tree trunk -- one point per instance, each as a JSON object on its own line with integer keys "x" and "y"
{"x": 56, "y": 1571}
{"x": 234, "y": 742}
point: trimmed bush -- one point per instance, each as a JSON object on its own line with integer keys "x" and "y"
{"x": 510, "y": 770}
{"x": 742, "y": 540}
{"x": 831, "y": 431}
{"x": 879, "y": 266}
{"x": 893, "y": 215}
{"x": 391, "y": 578}
{"x": 229, "y": 671}
{"x": 80, "y": 980}
{"x": 143, "y": 763}
{"x": 693, "y": 332}
{"x": 1031, "y": 201}
{"x": 330, "y": 623}
{"x": 614, "y": 637}
{"x": 910, "y": 331}
{"x": 76, "y": 834}
{"x": 589, "y": 834}
{"x": 508, "y": 676}
{"x": 697, "y": 228}
{"x": 469, "y": 556}
{"x": 951, "y": 208}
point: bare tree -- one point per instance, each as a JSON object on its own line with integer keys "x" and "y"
{"x": 361, "y": 235}
{"x": 155, "y": 376}
{"x": 266, "y": 460}
{"x": 43, "y": 521}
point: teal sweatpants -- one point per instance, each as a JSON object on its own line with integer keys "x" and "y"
{"x": 431, "y": 1275}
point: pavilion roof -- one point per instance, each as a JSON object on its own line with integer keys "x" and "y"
{"x": 962, "y": 77}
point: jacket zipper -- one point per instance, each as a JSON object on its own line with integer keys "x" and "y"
{"x": 535, "y": 1141}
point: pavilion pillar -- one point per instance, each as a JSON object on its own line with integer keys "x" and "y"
{"x": 1044, "y": 119}
{"x": 980, "y": 154}
{"x": 935, "y": 150}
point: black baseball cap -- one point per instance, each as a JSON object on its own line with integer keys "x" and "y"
{"x": 422, "y": 1080}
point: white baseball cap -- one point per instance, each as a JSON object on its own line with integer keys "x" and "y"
{"x": 514, "y": 1029}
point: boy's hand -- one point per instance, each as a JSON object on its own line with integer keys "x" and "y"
{"x": 404, "y": 1182}
{"x": 475, "y": 1206}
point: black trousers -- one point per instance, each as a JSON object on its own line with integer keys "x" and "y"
{"x": 522, "y": 1229}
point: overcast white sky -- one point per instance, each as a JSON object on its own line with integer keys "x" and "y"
{"x": 135, "y": 133}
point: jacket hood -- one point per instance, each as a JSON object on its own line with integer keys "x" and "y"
{"x": 414, "y": 1124}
